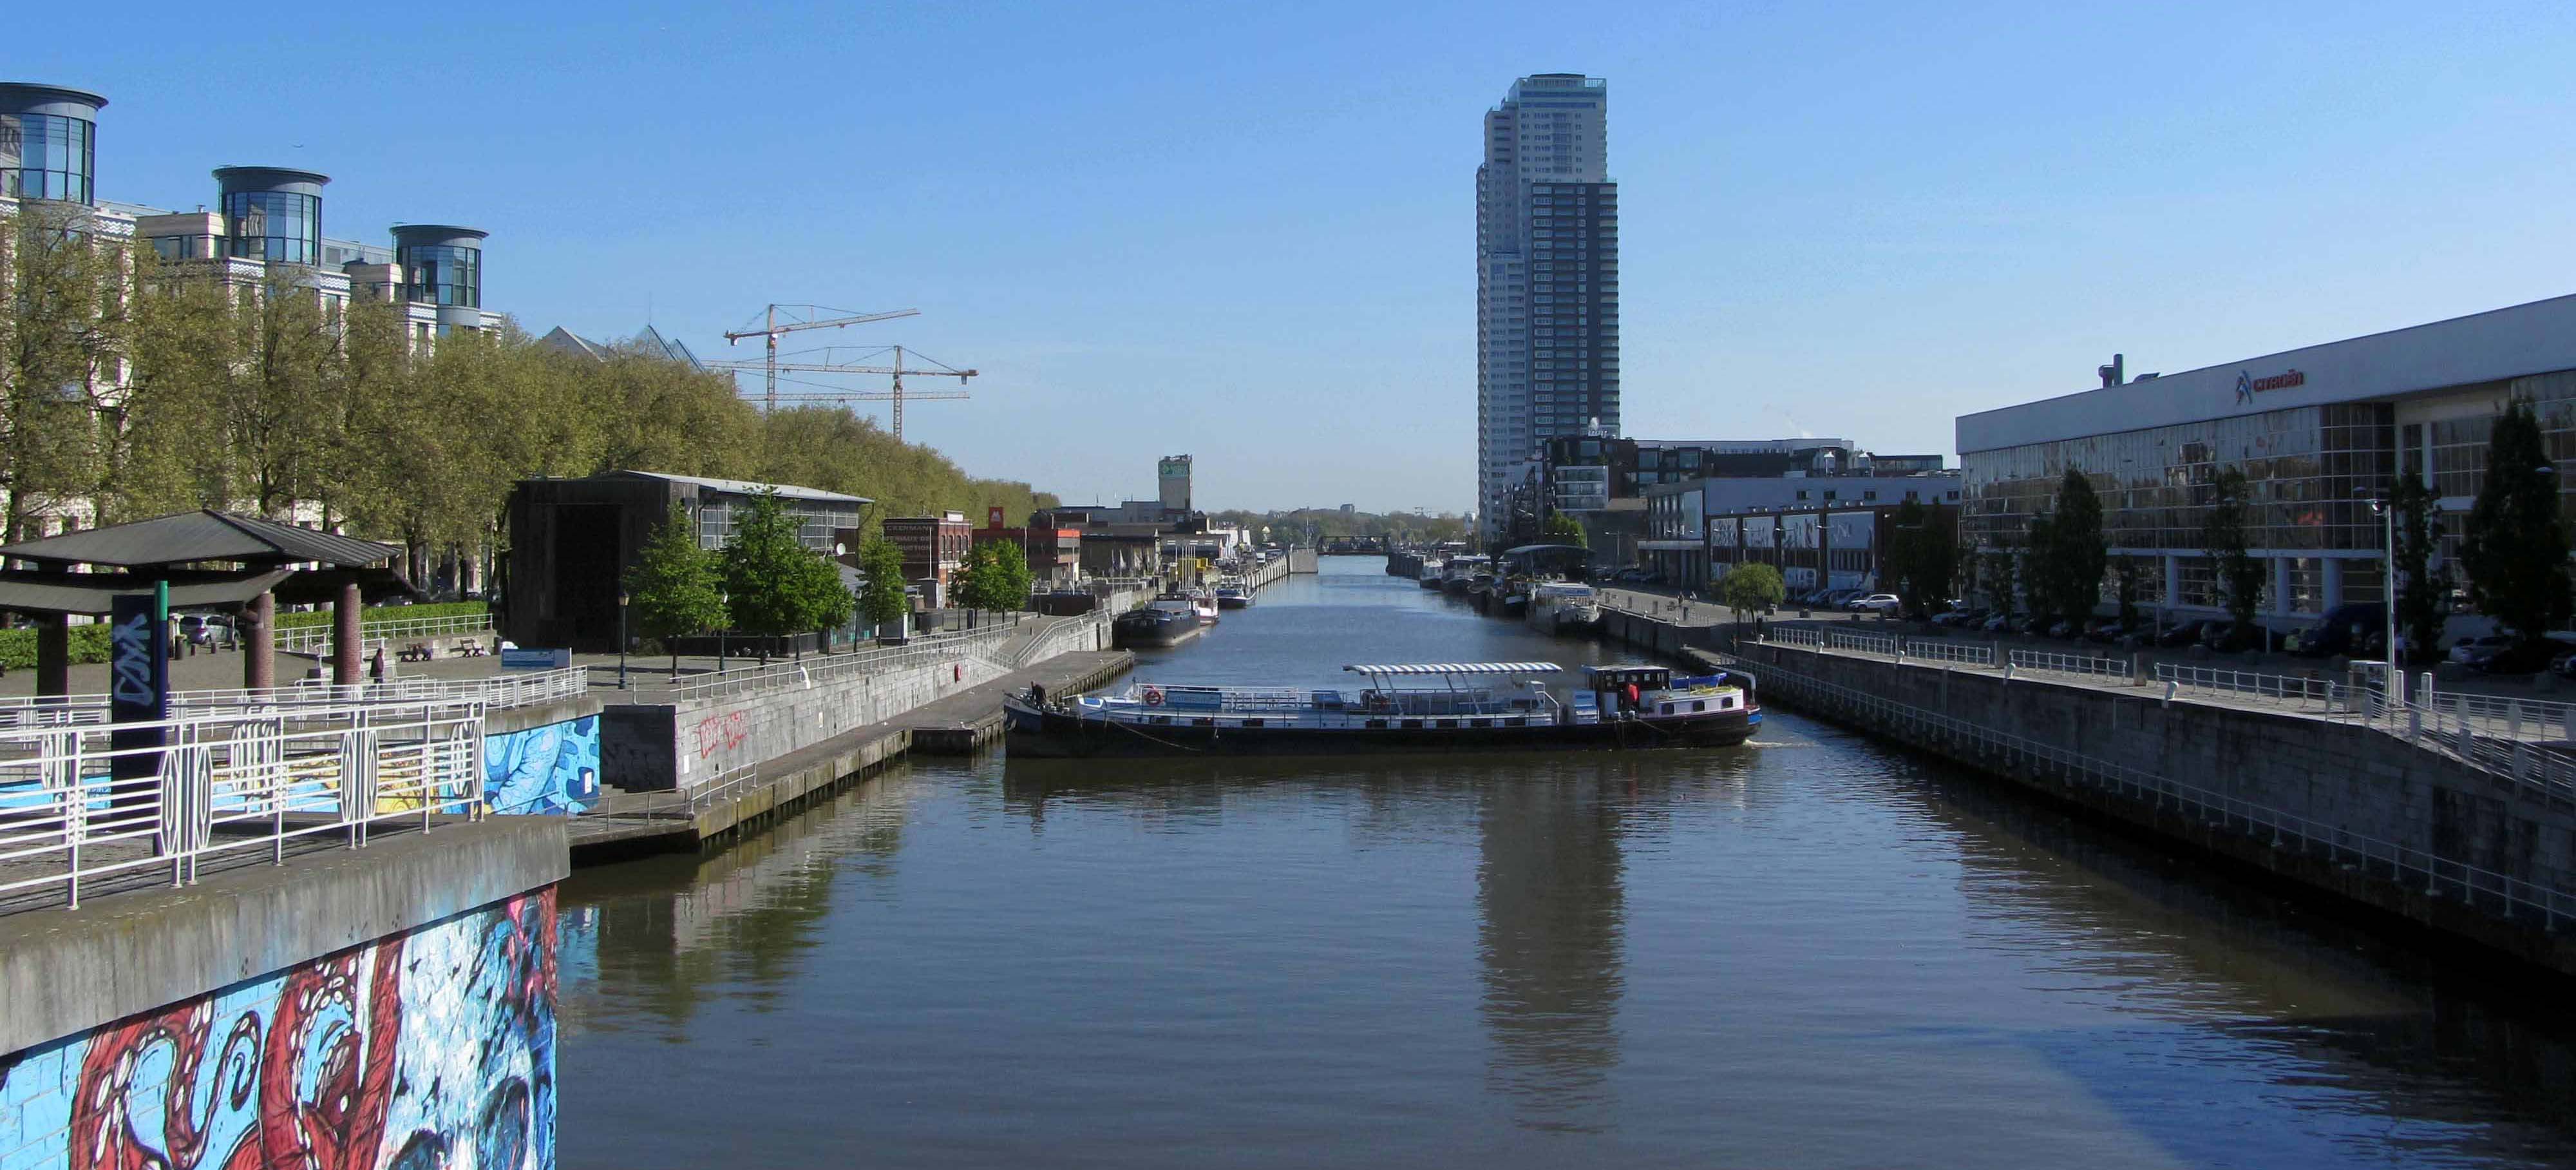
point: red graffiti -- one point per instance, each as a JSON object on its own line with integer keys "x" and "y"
{"x": 726, "y": 731}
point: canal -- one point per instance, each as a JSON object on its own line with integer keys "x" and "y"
{"x": 1809, "y": 951}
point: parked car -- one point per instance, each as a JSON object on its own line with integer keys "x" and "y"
{"x": 1965, "y": 619}
{"x": 2469, "y": 650}
{"x": 2186, "y": 634}
{"x": 1873, "y": 603}
{"x": 2105, "y": 631}
{"x": 2227, "y": 637}
{"x": 2514, "y": 658}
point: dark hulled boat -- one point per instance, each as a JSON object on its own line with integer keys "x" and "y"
{"x": 1617, "y": 707}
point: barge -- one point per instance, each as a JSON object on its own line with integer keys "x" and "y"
{"x": 1406, "y": 708}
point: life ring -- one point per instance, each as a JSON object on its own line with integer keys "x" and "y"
{"x": 1153, "y": 696}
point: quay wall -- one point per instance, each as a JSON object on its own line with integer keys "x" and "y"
{"x": 2340, "y": 777}
{"x": 1303, "y": 560}
{"x": 387, "y": 1006}
{"x": 651, "y": 747}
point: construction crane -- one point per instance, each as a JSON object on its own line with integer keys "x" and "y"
{"x": 772, "y": 330}
{"x": 897, "y": 394}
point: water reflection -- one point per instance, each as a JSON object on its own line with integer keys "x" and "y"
{"x": 1548, "y": 897}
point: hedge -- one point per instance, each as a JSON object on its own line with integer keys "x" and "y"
{"x": 386, "y": 613}
{"x": 18, "y": 647}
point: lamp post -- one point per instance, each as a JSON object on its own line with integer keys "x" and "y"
{"x": 621, "y": 639}
{"x": 2386, "y": 509}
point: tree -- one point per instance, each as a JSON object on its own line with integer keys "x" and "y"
{"x": 2514, "y": 547}
{"x": 2067, "y": 552}
{"x": 1922, "y": 558}
{"x": 2125, "y": 583}
{"x": 994, "y": 576}
{"x": 2222, "y": 536}
{"x": 65, "y": 326}
{"x": 2002, "y": 577}
{"x": 774, "y": 585}
{"x": 1753, "y": 587}
{"x": 2421, "y": 593}
{"x": 675, "y": 589}
{"x": 881, "y": 598}
{"x": 1563, "y": 529}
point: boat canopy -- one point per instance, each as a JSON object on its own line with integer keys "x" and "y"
{"x": 1459, "y": 668}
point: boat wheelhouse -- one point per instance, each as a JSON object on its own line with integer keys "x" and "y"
{"x": 1408, "y": 707}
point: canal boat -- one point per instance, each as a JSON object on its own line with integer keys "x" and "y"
{"x": 1165, "y": 621}
{"x": 1431, "y": 573}
{"x": 1563, "y": 607}
{"x": 1233, "y": 595}
{"x": 1404, "y": 708}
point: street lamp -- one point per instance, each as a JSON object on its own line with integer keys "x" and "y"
{"x": 621, "y": 639}
{"x": 2386, "y": 509}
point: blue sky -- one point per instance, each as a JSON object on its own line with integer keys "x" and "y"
{"x": 1247, "y": 232}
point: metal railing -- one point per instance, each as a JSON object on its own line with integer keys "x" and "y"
{"x": 2486, "y": 889}
{"x": 983, "y": 643}
{"x": 227, "y": 783}
{"x": 1938, "y": 650}
{"x": 1807, "y": 636}
{"x": 2296, "y": 692}
{"x": 1887, "y": 644}
{"x": 313, "y": 639}
{"x": 1066, "y": 636}
{"x": 2076, "y": 664}
{"x": 493, "y": 692}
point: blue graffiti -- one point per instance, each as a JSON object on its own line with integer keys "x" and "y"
{"x": 549, "y": 769}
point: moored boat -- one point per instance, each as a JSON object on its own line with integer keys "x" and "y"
{"x": 1165, "y": 621}
{"x": 1558, "y": 607}
{"x": 1233, "y": 596}
{"x": 1433, "y": 707}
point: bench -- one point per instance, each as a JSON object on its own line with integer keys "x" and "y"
{"x": 416, "y": 652}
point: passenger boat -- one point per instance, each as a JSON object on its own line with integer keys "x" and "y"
{"x": 1168, "y": 620}
{"x": 1428, "y": 707}
{"x": 1559, "y": 607}
{"x": 1233, "y": 596}
{"x": 1431, "y": 573}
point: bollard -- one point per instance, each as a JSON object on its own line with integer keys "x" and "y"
{"x": 2513, "y": 720}
{"x": 2008, "y": 670}
{"x": 2138, "y": 672}
{"x": 2169, "y": 692}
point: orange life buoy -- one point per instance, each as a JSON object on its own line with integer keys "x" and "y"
{"x": 1153, "y": 696}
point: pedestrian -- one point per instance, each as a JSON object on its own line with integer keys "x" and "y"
{"x": 376, "y": 665}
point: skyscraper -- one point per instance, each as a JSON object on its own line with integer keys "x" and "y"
{"x": 1547, "y": 280}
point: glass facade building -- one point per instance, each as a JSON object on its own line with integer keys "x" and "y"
{"x": 2317, "y": 433}
{"x": 49, "y": 143}
{"x": 442, "y": 264}
{"x": 272, "y": 214}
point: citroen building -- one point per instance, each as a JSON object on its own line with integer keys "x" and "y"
{"x": 2316, "y": 431}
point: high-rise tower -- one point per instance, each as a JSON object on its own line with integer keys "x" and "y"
{"x": 1547, "y": 280}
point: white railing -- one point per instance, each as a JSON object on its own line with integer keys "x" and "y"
{"x": 1886, "y": 644}
{"x": 1807, "y": 636}
{"x": 2419, "y": 869}
{"x": 316, "y": 639}
{"x": 1066, "y": 636}
{"x": 2297, "y": 692}
{"x": 2508, "y": 747}
{"x": 227, "y": 784}
{"x": 493, "y": 692}
{"x": 1937, "y": 650}
{"x": 2077, "y": 664}
{"x": 818, "y": 669}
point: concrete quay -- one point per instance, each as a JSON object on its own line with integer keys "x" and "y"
{"x": 633, "y": 824}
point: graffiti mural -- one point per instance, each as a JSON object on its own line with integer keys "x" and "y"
{"x": 432, "y": 1048}
{"x": 549, "y": 769}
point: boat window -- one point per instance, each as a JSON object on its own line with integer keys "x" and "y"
{"x": 1697, "y": 705}
{"x": 1252, "y": 722}
{"x": 1162, "y": 719}
{"x": 1448, "y": 723}
{"x": 1202, "y": 721}
{"x": 1380, "y": 723}
{"x": 1412, "y": 724}
{"x": 1516, "y": 721}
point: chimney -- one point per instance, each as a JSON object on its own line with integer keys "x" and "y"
{"x": 2112, "y": 375}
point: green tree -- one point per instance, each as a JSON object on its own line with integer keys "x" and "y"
{"x": 1563, "y": 529}
{"x": 1752, "y": 587}
{"x": 675, "y": 589}
{"x": 2067, "y": 552}
{"x": 1922, "y": 557}
{"x": 65, "y": 327}
{"x": 2222, "y": 536}
{"x": 881, "y": 597}
{"x": 2422, "y": 593}
{"x": 774, "y": 585}
{"x": 2514, "y": 546}
{"x": 995, "y": 576}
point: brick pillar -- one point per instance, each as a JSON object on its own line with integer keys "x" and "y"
{"x": 259, "y": 642}
{"x": 344, "y": 638}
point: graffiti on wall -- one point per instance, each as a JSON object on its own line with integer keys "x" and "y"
{"x": 435, "y": 1047}
{"x": 725, "y": 732}
{"x": 549, "y": 769}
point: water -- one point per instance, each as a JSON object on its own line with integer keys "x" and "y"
{"x": 1810, "y": 951}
